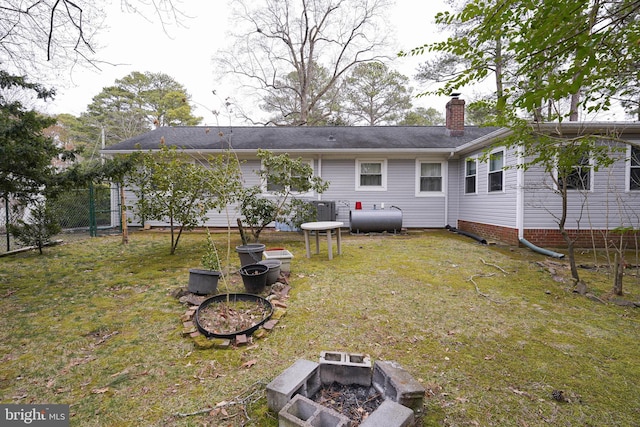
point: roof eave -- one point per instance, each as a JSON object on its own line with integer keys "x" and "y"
{"x": 482, "y": 142}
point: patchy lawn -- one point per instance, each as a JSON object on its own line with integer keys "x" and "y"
{"x": 489, "y": 331}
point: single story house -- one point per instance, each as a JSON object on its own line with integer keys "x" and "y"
{"x": 434, "y": 175}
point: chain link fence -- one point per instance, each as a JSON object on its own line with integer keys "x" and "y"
{"x": 81, "y": 213}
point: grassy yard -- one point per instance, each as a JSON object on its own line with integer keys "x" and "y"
{"x": 486, "y": 329}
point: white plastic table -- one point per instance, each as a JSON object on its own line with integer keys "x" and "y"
{"x": 322, "y": 226}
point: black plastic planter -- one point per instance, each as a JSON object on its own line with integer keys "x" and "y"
{"x": 203, "y": 282}
{"x": 250, "y": 254}
{"x": 254, "y": 277}
{"x": 232, "y": 298}
{"x": 274, "y": 270}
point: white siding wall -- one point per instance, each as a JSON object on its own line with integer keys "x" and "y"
{"x": 608, "y": 206}
{"x": 216, "y": 219}
{"x": 455, "y": 190}
{"x": 400, "y": 192}
{"x": 494, "y": 208}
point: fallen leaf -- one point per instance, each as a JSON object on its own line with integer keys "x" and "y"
{"x": 100, "y": 390}
{"x": 249, "y": 363}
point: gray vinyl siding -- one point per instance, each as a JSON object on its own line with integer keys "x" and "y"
{"x": 400, "y": 192}
{"x": 495, "y": 208}
{"x": 455, "y": 190}
{"x": 215, "y": 218}
{"x": 417, "y": 212}
{"x": 607, "y": 206}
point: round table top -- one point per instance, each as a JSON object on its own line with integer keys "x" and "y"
{"x": 321, "y": 225}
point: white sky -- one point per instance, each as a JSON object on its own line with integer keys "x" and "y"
{"x": 186, "y": 53}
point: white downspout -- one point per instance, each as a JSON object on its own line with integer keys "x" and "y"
{"x": 446, "y": 190}
{"x": 520, "y": 192}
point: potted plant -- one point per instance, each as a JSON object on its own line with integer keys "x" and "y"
{"x": 205, "y": 281}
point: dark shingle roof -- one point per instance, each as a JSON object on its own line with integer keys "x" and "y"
{"x": 303, "y": 138}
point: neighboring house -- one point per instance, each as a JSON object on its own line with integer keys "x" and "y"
{"x": 433, "y": 174}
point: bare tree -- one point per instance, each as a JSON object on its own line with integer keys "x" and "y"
{"x": 54, "y": 34}
{"x": 275, "y": 38}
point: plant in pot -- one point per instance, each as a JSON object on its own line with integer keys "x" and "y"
{"x": 205, "y": 281}
{"x": 227, "y": 314}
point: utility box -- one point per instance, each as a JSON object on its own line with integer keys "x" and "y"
{"x": 326, "y": 210}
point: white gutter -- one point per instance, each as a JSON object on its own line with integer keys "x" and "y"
{"x": 482, "y": 141}
{"x": 335, "y": 151}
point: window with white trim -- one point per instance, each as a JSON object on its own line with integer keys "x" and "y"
{"x": 496, "y": 171}
{"x": 580, "y": 176}
{"x": 430, "y": 177}
{"x": 470, "y": 176}
{"x": 371, "y": 175}
{"x": 271, "y": 187}
{"x": 634, "y": 169}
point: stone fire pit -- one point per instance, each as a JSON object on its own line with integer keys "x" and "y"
{"x": 290, "y": 393}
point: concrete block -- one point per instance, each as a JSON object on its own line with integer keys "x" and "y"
{"x": 298, "y": 412}
{"x": 300, "y": 378}
{"x": 345, "y": 368}
{"x": 390, "y": 413}
{"x": 303, "y": 412}
{"x": 398, "y": 385}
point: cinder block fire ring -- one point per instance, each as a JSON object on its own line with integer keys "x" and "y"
{"x": 290, "y": 393}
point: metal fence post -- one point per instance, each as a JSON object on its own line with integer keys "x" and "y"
{"x": 6, "y": 224}
{"x": 93, "y": 227}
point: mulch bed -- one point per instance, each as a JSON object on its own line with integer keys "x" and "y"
{"x": 234, "y": 316}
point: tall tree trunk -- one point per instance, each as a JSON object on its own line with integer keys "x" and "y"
{"x": 173, "y": 239}
{"x": 573, "y": 112}
{"x": 565, "y": 235}
{"x": 499, "y": 77}
{"x": 618, "y": 273}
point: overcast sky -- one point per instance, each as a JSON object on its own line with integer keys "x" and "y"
{"x": 185, "y": 54}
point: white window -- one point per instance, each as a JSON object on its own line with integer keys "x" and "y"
{"x": 272, "y": 187}
{"x": 496, "y": 171}
{"x": 371, "y": 175}
{"x": 580, "y": 176}
{"x": 634, "y": 169}
{"x": 430, "y": 178}
{"x": 470, "y": 176}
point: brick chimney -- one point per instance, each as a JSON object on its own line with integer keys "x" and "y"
{"x": 455, "y": 116}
